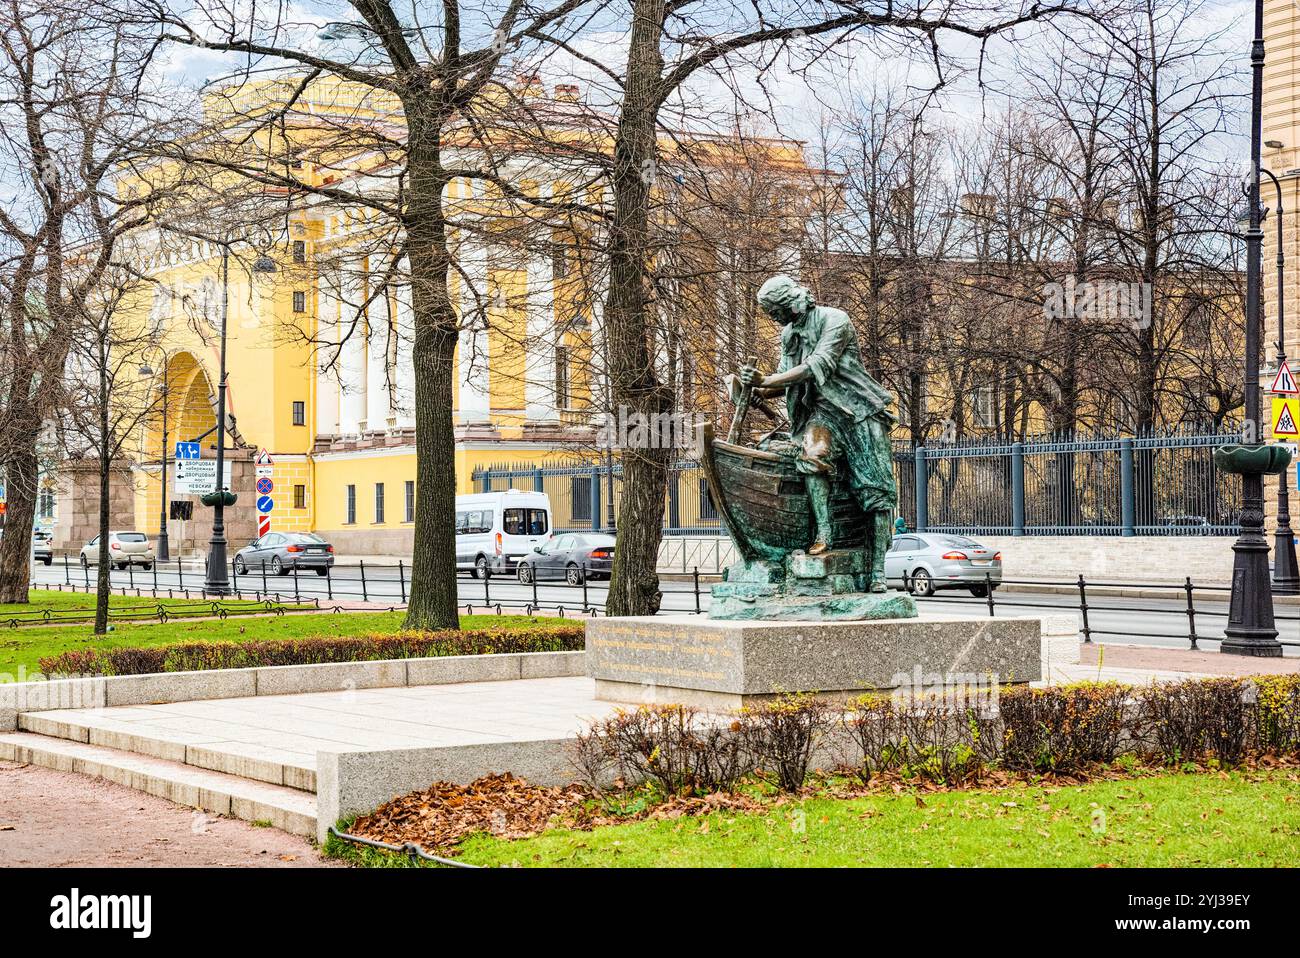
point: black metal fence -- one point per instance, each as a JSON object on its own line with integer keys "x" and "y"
{"x": 1158, "y": 484}
{"x": 1182, "y": 611}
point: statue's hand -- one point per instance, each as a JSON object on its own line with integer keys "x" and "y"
{"x": 750, "y": 376}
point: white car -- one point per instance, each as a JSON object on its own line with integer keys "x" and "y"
{"x": 124, "y": 549}
{"x": 494, "y": 530}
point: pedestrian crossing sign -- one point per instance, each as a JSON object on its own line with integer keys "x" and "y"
{"x": 1286, "y": 417}
{"x": 1284, "y": 382}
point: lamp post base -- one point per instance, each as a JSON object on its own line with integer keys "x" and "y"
{"x": 1286, "y": 576}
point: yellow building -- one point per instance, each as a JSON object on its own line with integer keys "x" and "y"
{"x": 319, "y": 346}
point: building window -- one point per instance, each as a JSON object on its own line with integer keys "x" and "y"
{"x": 561, "y": 377}
{"x": 379, "y": 502}
{"x": 581, "y": 496}
{"x": 300, "y": 497}
{"x": 708, "y": 510}
{"x": 559, "y": 261}
{"x": 982, "y": 406}
{"x": 299, "y": 251}
{"x": 352, "y": 505}
{"x": 45, "y": 504}
{"x": 410, "y": 500}
{"x": 299, "y": 413}
{"x": 299, "y": 301}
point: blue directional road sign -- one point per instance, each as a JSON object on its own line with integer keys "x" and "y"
{"x": 265, "y": 504}
{"x": 187, "y": 450}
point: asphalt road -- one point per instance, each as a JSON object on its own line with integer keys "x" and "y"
{"x": 1144, "y": 621}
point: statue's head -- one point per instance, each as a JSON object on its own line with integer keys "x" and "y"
{"x": 784, "y": 300}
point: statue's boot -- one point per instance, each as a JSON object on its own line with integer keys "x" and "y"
{"x": 881, "y": 538}
{"x": 819, "y": 494}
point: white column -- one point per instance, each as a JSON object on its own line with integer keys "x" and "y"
{"x": 539, "y": 345}
{"x": 352, "y": 354}
{"x": 379, "y": 322}
{"x": 327, "y": 380}
{"x": 472, "y": 374}
{"x": 404, "y": 407}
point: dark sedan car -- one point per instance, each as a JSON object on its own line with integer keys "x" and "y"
{"x": 282, "y": 552}
{"x": 571, "y": 556}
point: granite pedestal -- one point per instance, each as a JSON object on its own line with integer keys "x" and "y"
{"x": 725, "y": 664}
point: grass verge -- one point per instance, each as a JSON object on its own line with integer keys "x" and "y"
{"x": 1170, "y": 819}
{"x": 22, "y": 649}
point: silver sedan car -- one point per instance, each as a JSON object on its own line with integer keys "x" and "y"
{"x": 279, "y": 553}
{"x": 923, "y": 562}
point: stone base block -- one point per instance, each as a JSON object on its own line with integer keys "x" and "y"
{"x": 725, "y": 663}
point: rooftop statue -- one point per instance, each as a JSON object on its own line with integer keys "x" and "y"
{"x": 811, "y": 509}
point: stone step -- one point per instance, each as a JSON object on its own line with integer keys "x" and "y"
{"x": 288, "y": 809}
{"x": 240, "y": 759}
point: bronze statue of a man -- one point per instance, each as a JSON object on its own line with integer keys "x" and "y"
{"x": 839, "y": 416}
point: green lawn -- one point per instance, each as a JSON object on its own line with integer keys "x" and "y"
{"x": 1168, "y": 820}
{"x": 41, "y": 600}
{"x": 25, "y": 646}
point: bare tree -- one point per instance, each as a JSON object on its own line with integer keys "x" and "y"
{"x": 78, "y": 115}
{"x": 668, "y": 44}
{"x": 426, "y": 71}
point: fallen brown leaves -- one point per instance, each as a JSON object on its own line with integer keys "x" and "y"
{"x": 441, "y": 815}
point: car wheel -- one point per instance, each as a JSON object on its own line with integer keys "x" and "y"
{"x": 573, "y": 575}
{"x": 525, "y": 573}
{"x": 277, "y": 567}
{"x": 922, "y": 584}
{"x": 979, "y": 591}
{"x": 481, "y": 567}
{"x": 323, "y": 572}
{"x": 49, "y": 561}
{"x": 148, "y": 567}
{"x": 240, "y": 568}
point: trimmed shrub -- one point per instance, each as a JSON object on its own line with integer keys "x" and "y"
{"x": 783, "y": 733}
{"x": 938, "y": 736}
{"x": 203, "y": 656}
{"x": 680, "y": 749}
{"x": 1062, "y": 728}
{"x": 1197, "y": 719}
{"x": 1277, "y": 713}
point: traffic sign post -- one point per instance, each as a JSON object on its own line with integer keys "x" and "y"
{"x": 1286, "y": 417}
{"x": 1284, "y": 383}
{"x": 197, "y": 476}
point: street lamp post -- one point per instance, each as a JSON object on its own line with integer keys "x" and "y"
{"x": 216, "y": 580}
{"x": 1250, "y": 629}
{"x": 164, "y": 554}
{"x": 1286, "y": 573}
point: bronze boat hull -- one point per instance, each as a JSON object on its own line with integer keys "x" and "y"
{"x": 761, "y": 497}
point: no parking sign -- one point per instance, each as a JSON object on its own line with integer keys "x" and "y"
{"x": 265, "y": 486}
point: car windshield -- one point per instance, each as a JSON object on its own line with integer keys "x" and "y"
{"x": 599, "y": 542}
{"x": 959, "y": 541}
{"x": 132, "y": 537}
{"x": 306, "y": 537}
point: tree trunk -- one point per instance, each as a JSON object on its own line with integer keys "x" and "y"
{"x": 634, "y": 581}
{"x": 433, "y": 601}
{"x": 102, "y": 569}
{"x": 16, "y": 546}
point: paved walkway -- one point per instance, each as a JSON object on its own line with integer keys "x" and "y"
{"x": 288, "y": 730}
{"x": 53, "y": 819}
